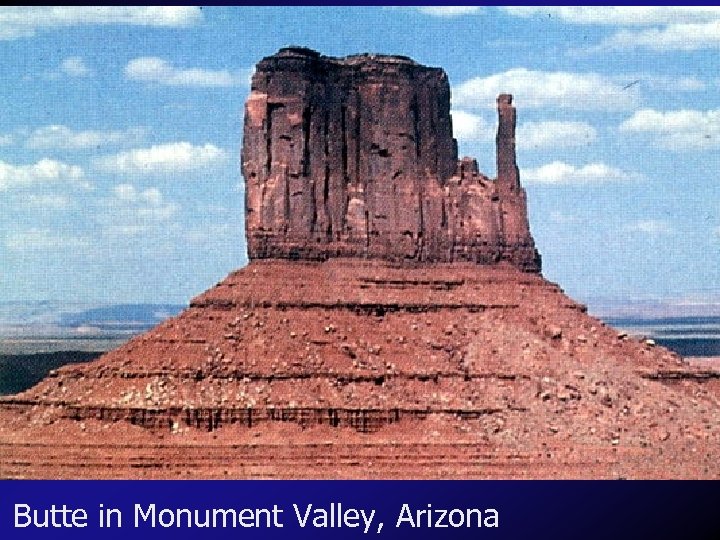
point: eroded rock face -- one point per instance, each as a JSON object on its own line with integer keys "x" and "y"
{"x": 354, "y": 368}
{"x": 354, "y": 157}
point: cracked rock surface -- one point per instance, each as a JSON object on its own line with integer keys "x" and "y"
{"x": 354, "y": 157}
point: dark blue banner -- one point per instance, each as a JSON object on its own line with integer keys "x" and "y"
{"x": 357, "y": 509}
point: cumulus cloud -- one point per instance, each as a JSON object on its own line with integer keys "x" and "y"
{"x": 651, "y": 227}
{"x": 130, "y": 211}
{"x": 543, "y": 89}
{"x": 36, "y": 239}
{"x": 676, "y": 28}
{"x": 448, "y": 11}
{"x": 65, "y": 138}
{"x": 45, "y": 171}
{"x": 561, "y": 173}
{"x": 677, "y": 130}
{"x": 218, "y": 231}
{"x": 20, "y": 22}
{"x": 150, "y": 201}
{"x": 672, "y": 84}
{"x": 562, "y": 218}
{"x": 167, "y": 158}
{"x": 555, "y": 134}
{"x": 620, "y": 15}
{"x": 674, "y": 37}
{"x": 75, "y": 66}
{"x": 470, "y": 127}
{"x": 47, "y": 200}
{"x": 151, "y": 69}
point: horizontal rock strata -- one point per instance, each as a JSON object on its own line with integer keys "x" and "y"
{"x": 465, "y": 365}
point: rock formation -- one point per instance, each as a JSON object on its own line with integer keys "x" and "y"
{"x": 354, "y": 157}
{"x": 364, "y": 339}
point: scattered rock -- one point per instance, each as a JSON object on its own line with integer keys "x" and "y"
{"x": 555, "y": 332}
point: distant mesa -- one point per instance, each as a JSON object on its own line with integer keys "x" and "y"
{"x": 119, "y": 317}
{"x": 355, "y": 157}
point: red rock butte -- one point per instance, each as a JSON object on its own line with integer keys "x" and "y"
{"x": 392, "y": 323}
{"x": 354, "y": 157}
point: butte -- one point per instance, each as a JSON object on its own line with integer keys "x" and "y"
{"x": 392, "y": 322}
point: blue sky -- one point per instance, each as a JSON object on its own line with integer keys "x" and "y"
{"x": 120, "y": 131}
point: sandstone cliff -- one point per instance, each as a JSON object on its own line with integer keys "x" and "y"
{"x": 354, "y": 157}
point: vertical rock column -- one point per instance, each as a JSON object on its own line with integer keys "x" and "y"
{"x": 518, "y": 246}
{"x": 508, "y": 176}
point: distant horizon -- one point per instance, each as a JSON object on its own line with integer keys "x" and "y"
{"x": 48, "y": 327}
{"x": 604, "y": 308}
{"x": 121, "y": 128}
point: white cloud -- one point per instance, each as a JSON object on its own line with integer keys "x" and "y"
{"x": 150, "y": 202}
{"x": 47, "y": 201}
{"x": 672, "y": 84}
{"x": 64, "y": 138}
{"x": 674, "y": 37}
{"x": 620, "y": 15}
{"x": 19, "y": 22}
{"x": 448, "y": 11}
{"x": 157, "y": 70}
{"x": 36, "y": 239}
{"x": 651, "y": 227}
{"x": 560, "y": 173}
{"x": 677, "y": 130}
{"x": 676, "y": 28}
{"x": 687, "y": 84}
{"x": 167, "y": 158}
{"x": 130, "y": 211}
{"x": 45, "y": 171}
{"x": 661, "y": 83}
{"x": 542, "y": 89}
{"x": 555, "y": 134}
{"x": 562, "y": 218}
{"x": 75, "y": 66}
{"x": 6, "y": 140}
{"x": 470, "y": 127}
{"x": 217, "y": 231}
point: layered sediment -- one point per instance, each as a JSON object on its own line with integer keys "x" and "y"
{"x": 354, "y": 157}
{"x": 347, "y": 348}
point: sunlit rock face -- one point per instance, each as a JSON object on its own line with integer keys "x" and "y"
{"x": 354, "y": 157}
